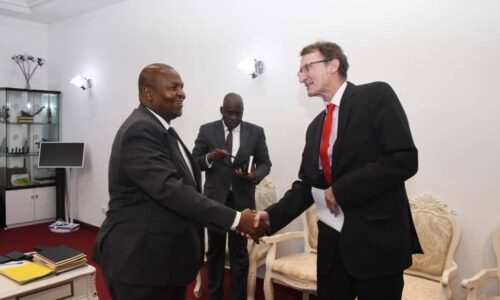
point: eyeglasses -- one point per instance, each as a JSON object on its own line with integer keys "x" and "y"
{"x": 307, "y": 67}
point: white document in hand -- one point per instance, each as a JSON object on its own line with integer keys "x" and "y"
{"x": 324, "y": 213}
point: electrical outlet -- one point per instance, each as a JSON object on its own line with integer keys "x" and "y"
{"x": 104, "y": 209}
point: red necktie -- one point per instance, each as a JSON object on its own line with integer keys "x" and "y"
{"x": 325, "y": 142}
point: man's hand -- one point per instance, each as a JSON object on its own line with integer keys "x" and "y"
{"x": 247, "y": 227}
{"x": 217, "y": 154}
{"x": 331, "y": 202}
{"x": 252, "y": 177}
{"x": 261, "y": 217}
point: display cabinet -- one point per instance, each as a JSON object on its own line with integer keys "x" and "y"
{"x": 27, "y": 118}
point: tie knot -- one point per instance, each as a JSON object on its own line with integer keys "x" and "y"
{"x": 330, "y": 107}
{"x": 172, "y": 132}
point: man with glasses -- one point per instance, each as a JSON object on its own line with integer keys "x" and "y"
{"x": 358, "y": 154}
{"x": 234, "y": 156}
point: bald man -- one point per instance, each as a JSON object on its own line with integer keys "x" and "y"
{"x": 229, "y": 182}
{"x": 150, "y": 244}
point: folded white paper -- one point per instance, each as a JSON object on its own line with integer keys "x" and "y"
{"x": 324, "y": 213}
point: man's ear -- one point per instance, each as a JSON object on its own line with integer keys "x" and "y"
{"x": 147, "y": 94}
{"x": 333, "y": 66}
{"x": 221, "y": 110}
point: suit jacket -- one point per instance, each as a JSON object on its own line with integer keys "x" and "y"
{"x": 221, "y": 175}
{"x": 151, "y": 234}
{"x": 372, "y": 157}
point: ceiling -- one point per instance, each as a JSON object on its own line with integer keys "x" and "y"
{"x": 50, "y": 11}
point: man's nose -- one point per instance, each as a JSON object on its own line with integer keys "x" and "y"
{"x": 302, "y": 77}
{"x": 181, "y": 94}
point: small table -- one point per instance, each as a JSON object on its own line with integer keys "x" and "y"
{"x": 74, "y": 284}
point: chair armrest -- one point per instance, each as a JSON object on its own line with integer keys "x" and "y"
{"x": 448, "y": 273}
{"x": 277, "y": 238}
{"x": 479, "y": 278}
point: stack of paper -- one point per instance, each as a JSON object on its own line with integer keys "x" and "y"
{"x": 61, "y": 258}
{"x": 26, "y": 272}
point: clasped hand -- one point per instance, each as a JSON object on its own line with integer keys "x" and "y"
{"x": 252, "y": 176}
{"x": 246, "y": 226}
{"x": 217, "y": 155}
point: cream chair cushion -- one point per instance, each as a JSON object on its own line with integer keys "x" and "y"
{"x": 439, "y": 233}
{"x": 420, "y": 288}
{"x": 296, "y": 270}
{"x": 312, "y": 228}
{"x": 435, "y": 233}
{"x": 300, "y": 266}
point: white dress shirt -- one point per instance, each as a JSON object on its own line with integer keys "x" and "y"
{"x": 322, "y": 210}
{"x": 188, "y": 163}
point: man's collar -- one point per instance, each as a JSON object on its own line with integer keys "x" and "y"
{"x": 162, "y": 121}
{"x": 338, "y": 95}
{"x": 237, "y": 128}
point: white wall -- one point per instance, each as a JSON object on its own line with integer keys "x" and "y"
{"x": 441, "y": 57}
{"x": 20, "y": 37}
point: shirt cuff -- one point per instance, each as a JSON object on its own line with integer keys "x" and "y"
{"x": 209, "y": 164}
{"x": 236, "y": 221}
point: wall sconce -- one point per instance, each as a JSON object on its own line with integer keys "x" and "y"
{"x": 81, "y": 82}
{"x": 251, "y": 66}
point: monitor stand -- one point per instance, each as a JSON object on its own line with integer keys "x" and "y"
{"x": 61, "y": 226}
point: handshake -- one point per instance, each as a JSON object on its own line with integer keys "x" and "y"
{"x": 246, "y": 226}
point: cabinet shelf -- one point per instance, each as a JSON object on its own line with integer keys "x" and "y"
{"x": 19, "y": 154}
{"x": 30, "y": 123}
{"x": 26, "y": 192}
{"x": 33, "y": 185}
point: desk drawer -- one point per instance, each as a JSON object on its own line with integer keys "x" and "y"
{"x": 59, "y": 292}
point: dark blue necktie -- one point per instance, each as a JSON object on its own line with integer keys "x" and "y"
{"x": 174, "y": 134}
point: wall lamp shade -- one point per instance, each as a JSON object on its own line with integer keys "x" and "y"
{"x": 81, "y": 82}
{"x": 251, "y": 66}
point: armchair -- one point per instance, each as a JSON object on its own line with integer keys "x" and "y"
{"x": 439, "y": 234}
{"x": 474, "y": 284}
{"x": 297, "y": 270}
{"x": 265, "y": 195}
{"x": 428, "y": 277}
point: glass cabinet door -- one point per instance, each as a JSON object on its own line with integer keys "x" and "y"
{"x": 32, "y": 117}
{"x": 3, "y": 137}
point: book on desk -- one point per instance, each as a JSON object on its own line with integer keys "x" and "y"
{"x": 61, "y": 258}
{"x": 24, "y": 272}
{"x": 47, "y": 262}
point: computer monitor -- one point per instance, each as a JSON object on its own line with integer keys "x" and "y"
{"x": 61, "y": 155}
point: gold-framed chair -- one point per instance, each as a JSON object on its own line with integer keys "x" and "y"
{"x": 428, "y": 278}
{"x": 297, "y": 270}
{"x": 266, "y": 194}
{"x": 439, "y": 233}
{"x": 475, "y": 284}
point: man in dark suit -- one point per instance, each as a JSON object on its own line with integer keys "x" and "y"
{"x": 150, "y": 244}
{"x": 223, "y": 149}
{"x": 357, "y": 157}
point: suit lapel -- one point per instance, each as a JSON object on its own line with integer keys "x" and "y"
{"x": 180, "y": 161}
{"x": 310, "y": 161}
{"x": 243, "y": 139}
{"x": 220, "y": 135}
{"x": 196, "y": 173}
{"x": 344, "y": 113}
{"x": 317, "y": 131}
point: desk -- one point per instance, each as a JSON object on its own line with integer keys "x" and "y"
{"x": 75, "y": 284}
